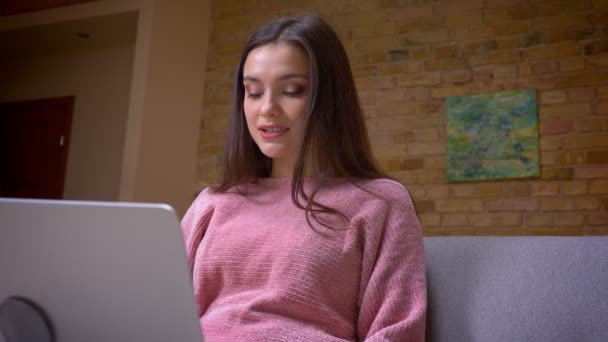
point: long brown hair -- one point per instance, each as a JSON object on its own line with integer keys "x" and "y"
{"x": 336, "y": 137}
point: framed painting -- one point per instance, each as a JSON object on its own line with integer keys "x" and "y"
{"x": 492, "y": 136}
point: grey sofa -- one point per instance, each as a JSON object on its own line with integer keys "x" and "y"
{"x": 517, "y": 289}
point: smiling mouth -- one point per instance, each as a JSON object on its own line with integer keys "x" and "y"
{"x": 270, "y": 133}
{"x": 273, "y": 129}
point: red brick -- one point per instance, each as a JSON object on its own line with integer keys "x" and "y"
{"x": 459, "y": 205}
{"x": 431, "y": 177}
{"x": 472, "y": 18}
{"x": 365, "y": 70}
{"x": 569, "y": 203}
{"x": 436, "y": 192}
{"x": 421, "y": 24}
{"x": 557, "y": 173}
{"x": 598, "y": 219}
{"x": 457, "y": 76}
{"x": 497, "y": 57}
{"x": 586, "y": 141}
{"x": 572, "y": 64}
{"x": 412, "y": 164}
{"x": 447, "y": 51}
{"x": 495, "y": 219}
{"x": 600, "y": 156}
{"x": 569, "y": 219}
{"x": 574, "y": 188}
{"x": 417, "y": 94}
{"x": 384, "y": 82}
{"x": 442, "y": 92}
{"x": 512, "y": 28}
{"x": 570, "y": 157}
{"x": 400, "y": 68}
{"x": 553, "y": 97}
{"x": 375, "y": 30}
{"x": 561, "y": 21}
{"x": 544, "y": 189}
{"x": 512, "y": 204}
{"x": 596, "y": 47}
{"x": 429, "y": 220}
{"x": 446, "y": 64}
{"x": 555, "y": 231}
{"x": 420, "y": 79}
{"x": 596, "y": 77}
{"x": 580, "y": 94}
{"x": 456, "y": 219}
{"x": 477, "y": 190}
{"x": 429, "y": 134}
{"x": 545, "y": 67}
{"x": 501, "y": 231}
{"x": 597, "y": 61}
{"x": 411, "y": 11}
{"x": 602, "y": 93}
{"x": 450, "y": 7}
{"x": 430, "y": 107}
{"x": 423, "y": 52}
{"x": 555, "y": 126}
{"x": 550, "y": 143}
{"x": 601, "y": 108}
{"x": 565, "y": 110}
{"x": 598, "y": 187}
{"x": 480, "y": 46}
{"x": 425, "y": 206}
{"x": 435, "y": 163}
{"x": 544, "y": 82}
{"x": 591, "y": 171}
{"x": 396, "y": 95}
{"x": 535, "y": 219}
{"x": 367, "y": 58}
{"x": 426, "y": 37}
{"x": 516, "y": 189}
{"x": 547, "y": 52}
{"x": 508, "y": 43}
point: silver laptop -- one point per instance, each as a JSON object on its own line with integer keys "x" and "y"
{"x": 98, "y": 271}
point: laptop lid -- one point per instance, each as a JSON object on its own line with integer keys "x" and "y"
{"x": 101, "y": 271}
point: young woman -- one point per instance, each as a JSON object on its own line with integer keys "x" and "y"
{"x": 304, "y": 239}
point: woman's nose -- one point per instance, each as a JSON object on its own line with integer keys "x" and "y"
{"x": 269, "y": 106}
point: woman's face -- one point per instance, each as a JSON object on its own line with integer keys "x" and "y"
{"x": 277, "y": 93}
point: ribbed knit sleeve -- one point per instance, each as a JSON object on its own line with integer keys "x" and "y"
{"x": 392, "y": 296}
{"x": 194, "y": 223}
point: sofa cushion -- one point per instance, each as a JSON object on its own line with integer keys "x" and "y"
{"x": 517, "y": 288}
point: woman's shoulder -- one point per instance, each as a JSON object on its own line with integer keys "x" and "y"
{"x": 387, "y": 188}
{"x": 381, "y": 192}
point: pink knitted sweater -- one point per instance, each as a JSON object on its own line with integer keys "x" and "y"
{"x": 260, "y": 273}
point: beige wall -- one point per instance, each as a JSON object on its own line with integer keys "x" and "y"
{"x": 100, "y": 80}
{"x": 165, "y": 108}
{"x": 159, "y": 151}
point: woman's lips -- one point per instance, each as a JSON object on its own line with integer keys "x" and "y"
{"x": 270, "y": 132}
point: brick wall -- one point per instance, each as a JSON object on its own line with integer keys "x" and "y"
{"x": 407, "y": 56}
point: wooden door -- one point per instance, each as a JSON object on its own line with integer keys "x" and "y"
{"x": 34, "y": 140}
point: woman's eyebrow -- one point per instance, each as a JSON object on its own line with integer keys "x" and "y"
{"x": 281, "y": 78}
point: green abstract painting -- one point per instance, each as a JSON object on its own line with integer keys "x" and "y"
{"x": 492, "y": 136}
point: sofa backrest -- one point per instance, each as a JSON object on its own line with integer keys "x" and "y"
{"x": 517, "y": 289}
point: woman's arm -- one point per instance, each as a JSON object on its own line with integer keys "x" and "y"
{"x": 194, "y": 224}
{"x": 393, "y": 283}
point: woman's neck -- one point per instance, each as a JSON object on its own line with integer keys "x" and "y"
{"x": 283, "y": 168}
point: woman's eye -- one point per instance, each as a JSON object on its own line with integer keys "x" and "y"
{"x": 293, "y": 93}
{"x": 254, "y": 95}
